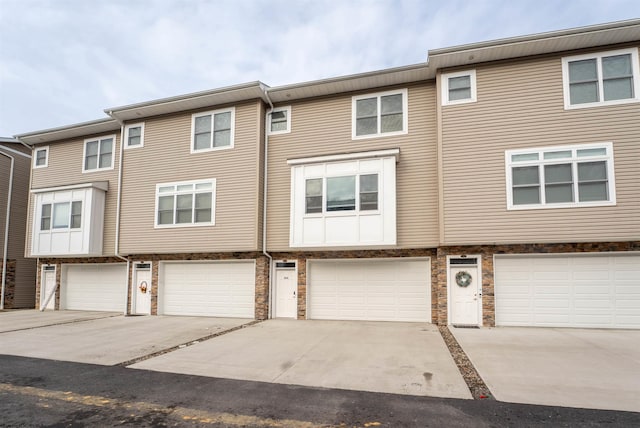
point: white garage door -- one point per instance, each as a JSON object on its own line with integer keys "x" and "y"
{"x": 374, "y": 290}
{"x": 99, "y": 287}
{"x": 599, "y": 291}
{"x": 216, "y": 289}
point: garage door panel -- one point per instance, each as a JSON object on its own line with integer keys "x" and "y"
{"x": 592, "y": 290}
{"x": 222, "y": 289}
{"x": 380, "y": 290}
{"x": 99, "y": 287}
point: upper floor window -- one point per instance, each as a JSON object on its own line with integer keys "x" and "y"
{"x": 212, "y": 130}
{"x": 61, "y": 215}
{"x": 560, "y": 177}
{"x": 381, "y": 114}
{"x": 279, "y": 121}
{"x": 41, "y": 157}
{"x": 98, "y": 153}
{"x": 185, "y": 203}
{"x": 339, "y": 193}
{"x": 134, "y": 135}
{"x": 600, "y": 79}
{"x": 459, "y": 87}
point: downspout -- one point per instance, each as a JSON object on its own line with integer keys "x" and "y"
{"x": 118, "y": 202}
{"x": 6, "y": 233}
{"x": 264, "y": 202}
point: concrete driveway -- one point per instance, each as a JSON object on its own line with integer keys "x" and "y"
{"x": 402, "y": 358}
{"x": 597, "y": 369}
{"x": 99, "y": 337}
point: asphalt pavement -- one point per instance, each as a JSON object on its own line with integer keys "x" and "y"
{"x": 38, "y": 392}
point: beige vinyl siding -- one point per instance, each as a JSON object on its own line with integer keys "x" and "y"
{"x": 166, "y": 157}
{"x": 520, "y": 105}
{"x": 323, "y": 127}
{"x": 65, "y": 168}
{"x": 24, "y": 293}
{"x": 5, "y": 174}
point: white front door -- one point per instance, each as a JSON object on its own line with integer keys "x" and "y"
{"x": 48, "y": 287}
{"x": 143, "y": 289}
{"x": 286, "y": 293}
{"x": 465, "y": 291}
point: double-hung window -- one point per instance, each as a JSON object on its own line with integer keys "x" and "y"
{"x": 599, "y": 79}
{"x": 381, "y": 114}
{"x": 279, "y": 121}
{"x": 560, "y": 177}
{"x": 98, "y": 153}
{"x": 458, "y": 87}
{"x": 185, "y": 203}
{"x": 134, "y": 135}
{"x": 41, "y": 157}
{"x": 212, "y": 130}
{"x": 61, "y": 215}
{"x": 344, "y": 193}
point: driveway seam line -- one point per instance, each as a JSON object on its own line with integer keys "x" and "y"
{"x": 477, "y": 386}
{"x": 186, "y": 344}
{"x": 62, "y": 323}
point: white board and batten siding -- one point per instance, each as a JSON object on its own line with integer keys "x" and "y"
{"x": 93, "y": 287}
{"x": 584, "y": 291}
{"x": 216, "y": 289}
{"x": 370, "y": 290}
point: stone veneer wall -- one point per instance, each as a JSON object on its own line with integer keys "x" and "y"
{"x": 10, "y": 282}
{"x": 301, "y": 260}
{"x": 488, "y": 251}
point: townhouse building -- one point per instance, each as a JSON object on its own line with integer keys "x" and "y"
{"x": 495, "y": 184}
{"x": 17, "y": 273}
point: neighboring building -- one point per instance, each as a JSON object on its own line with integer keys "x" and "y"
{"x": 494, "y": 185}
{"x": 17, "y": 273}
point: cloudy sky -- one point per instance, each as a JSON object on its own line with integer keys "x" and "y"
{"x": 65, "y": 61}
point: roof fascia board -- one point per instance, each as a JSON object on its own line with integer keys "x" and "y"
{"x": 71, "y": 131}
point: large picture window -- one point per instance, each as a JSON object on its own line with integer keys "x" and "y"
{"x": 341, "y": 193}
{"x": 600, "y": 79}
{"x": 558, "y": 177}
{"x": 185, "y": 204}
{"x": 61, "y": 215}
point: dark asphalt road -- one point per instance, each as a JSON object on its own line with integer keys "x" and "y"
{"x": 36, "y": 392}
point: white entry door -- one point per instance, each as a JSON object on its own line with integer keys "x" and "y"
{"x": 286, "y": 293}
{"x": 48, "y": 287}
{"x": 464, "y": 291}
{"x": 143, "y": 289}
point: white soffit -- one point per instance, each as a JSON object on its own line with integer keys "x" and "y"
{"x": 536, "y": 44}
{"x": 72, "y": 131}
{"x": 193, "y": 101}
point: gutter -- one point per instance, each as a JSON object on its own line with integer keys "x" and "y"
{"x": 6, "y": 232}
{"x": 264, "y": 203}
{"x": 118, "y": 206}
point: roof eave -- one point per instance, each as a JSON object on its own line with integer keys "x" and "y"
{"x": 71, "y": 131}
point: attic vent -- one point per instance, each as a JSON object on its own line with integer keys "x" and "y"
{"x": 465, "y": 261}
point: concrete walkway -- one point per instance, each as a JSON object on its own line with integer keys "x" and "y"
{"x": 597, "y": 369}
{"x": 104, "y": 339}
{"x": 401, "y": 358}
{"x": 14, "y": 320}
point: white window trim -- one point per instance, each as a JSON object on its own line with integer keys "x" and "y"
{"x": 126, "y": 135}
{"x": 599, "y": 56}
{"x": 378, "y": 95}
{"x": 113, "y": 153}
{"x": 445, "y": 87}
{"x": 231, "y": 110}
{"x": 35, "y": 157}
{"x": 181, "y": 225}
{"x": 284, "y": 131}
{"x": 576, "y": 204}
{"x": 357, "y": 211}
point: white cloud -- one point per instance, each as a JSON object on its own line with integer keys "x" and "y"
{"x": 64, "y": 61}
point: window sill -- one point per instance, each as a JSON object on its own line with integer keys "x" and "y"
{"x": 561, "y": 205}
{"x": 381, "y": 135}
{"x": 214, "y": 149}
{"x": 181, "y": 226}
{"x": 601, "y": 104}
{"x": 89, "y": 171}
